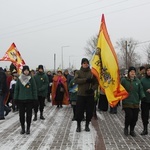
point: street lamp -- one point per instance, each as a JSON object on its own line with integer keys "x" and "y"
{"x": 126, "y": 55}
{"x": 54, "y": 63}
{"x": 62, "y": 57}
{"x": 69, "y": 61}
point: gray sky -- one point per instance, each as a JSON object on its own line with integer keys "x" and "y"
{"x": 40, "y": 28}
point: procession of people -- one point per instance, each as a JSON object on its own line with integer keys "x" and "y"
{"x": 27, "y": 93}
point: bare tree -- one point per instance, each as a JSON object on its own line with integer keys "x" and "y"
{"x": 127, "y": 52}
{"x": 147, "y": 51}
{"x": 91, "y": 46}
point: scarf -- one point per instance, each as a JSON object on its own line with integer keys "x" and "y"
{"x": 24, "y": 79}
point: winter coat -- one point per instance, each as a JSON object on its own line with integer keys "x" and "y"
{"x": 27, "y": 91}
{"x": 42, "y": 82}
{"x": 135, "y": 91}
{"x": 3, "y": 82}
{"x": 64, "y": 97}
{"x": 146, "y": 85}
{"x": 80, "y": 78}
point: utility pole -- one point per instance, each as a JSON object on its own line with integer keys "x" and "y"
{"x": 126, "y": 45}
{"x": 62, "y": 57}
{"x": 54, "y": 63}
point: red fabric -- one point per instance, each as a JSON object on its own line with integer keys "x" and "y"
{"x": 63, "y": 80}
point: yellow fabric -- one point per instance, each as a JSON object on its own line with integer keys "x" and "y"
{"x": 105, "y": 67}
{"x": 14, "y": 56}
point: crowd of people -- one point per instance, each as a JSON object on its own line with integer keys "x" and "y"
{"x": 28, "y": 91}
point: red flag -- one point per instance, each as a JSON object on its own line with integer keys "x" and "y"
{"x": 14, "y": 56}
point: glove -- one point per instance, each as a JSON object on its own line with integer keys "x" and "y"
{"x": 90, "y": 91}
{"x": 144, "y": 99}
{"x": 89, "y": 80}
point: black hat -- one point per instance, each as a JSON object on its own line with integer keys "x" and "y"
{"x": 142, "y": 67}
{"x": 40, "y": 67}
{"x": 84, "y": 60}
{"x": 131, "y": 68}
{"x": 25, "y": 68}
{"x": 148, "y": 67}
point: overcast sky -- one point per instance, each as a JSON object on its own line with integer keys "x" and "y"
{"x": 42, "y": 28}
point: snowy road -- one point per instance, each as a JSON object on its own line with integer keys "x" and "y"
{"x": 57, "y": 131}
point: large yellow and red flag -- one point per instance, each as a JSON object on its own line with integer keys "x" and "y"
{"x": 13, "y": 55}
{"x": 105, "y": 67}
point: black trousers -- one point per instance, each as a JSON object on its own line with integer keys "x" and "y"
{"x": 74, "y": 110}
{"x": 25, "y": 112}
{"x": 145, "y": 108}
{"x": 39, "y": 104}
{"x": 131, "y": 117}
{"x": 103, "y": 103}
{"x": 84, "y": 104}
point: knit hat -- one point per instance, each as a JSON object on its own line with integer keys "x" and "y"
{"x": 148, "y": 67}
{"x": 40, "y": 67}
{"x": 131, "y": 68}
{"x": 142, "y": 67}
{"x": 84, "y": 60}
{"x": 25, "y": 68}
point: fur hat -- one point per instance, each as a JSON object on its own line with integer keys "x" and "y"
{"x": 40, "y": 67}
{"x": 25, "y": 68}
{"x": 84, "y": 60}
{"x": 131, "y": 68}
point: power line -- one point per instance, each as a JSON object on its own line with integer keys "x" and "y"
{"x": 58, "y": 20}
{"x": 59, "y": 13}
{"x": 92, "y": 17}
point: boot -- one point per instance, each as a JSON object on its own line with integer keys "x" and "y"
{"x": 132, "y": 133}
{"x": 73, "y": 119}
{"x": 48, "y": 98}
{"x": 126, "y": 131}
{"x": 22, "y": 129}
{"x": 35, "y": 117}
{"x": 87, "y": 127}
{"x": 144, "y": 132}
{"x": 28, "y": 129}
{"x": 78, "y": 126}
{"x": 95, "y": 116}
{"x": 41, "y": 116}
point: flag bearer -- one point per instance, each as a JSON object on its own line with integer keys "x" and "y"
{"x": 87, "y": 84}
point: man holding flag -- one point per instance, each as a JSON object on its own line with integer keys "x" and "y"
{"x": 87, "y": 84}
{"x": 105, "y": 67}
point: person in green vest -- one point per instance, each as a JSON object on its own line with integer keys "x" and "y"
{"x": 25, "y": 94}
{"x": 145, "y": 103}
{"x": 131, "y": 104}
{"x": 42, "y": 82}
